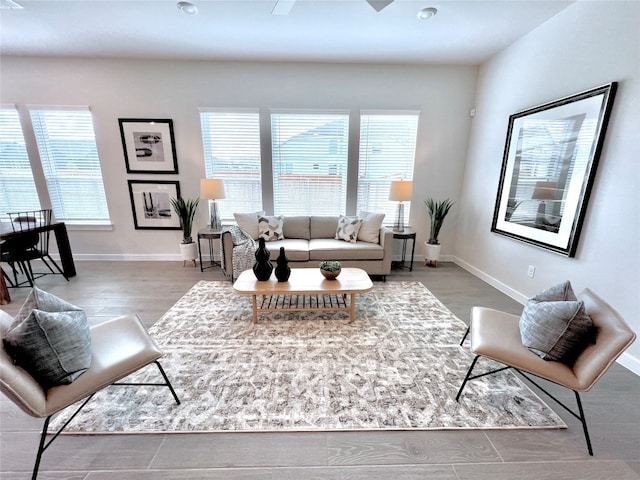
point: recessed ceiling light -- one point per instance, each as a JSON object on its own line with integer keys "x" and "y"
{"x": 427, "y": 13}
{"x": 188, "y": 8}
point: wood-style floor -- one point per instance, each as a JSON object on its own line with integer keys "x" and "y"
{"x": 107, "y": 289}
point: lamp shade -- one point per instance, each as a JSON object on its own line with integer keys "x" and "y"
{"x": 545, "y": 191}
{"x": 212, "y": 189}
{"x": 401, "y": 190}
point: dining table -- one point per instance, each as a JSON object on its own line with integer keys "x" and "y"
{"x": 59, "y": 230}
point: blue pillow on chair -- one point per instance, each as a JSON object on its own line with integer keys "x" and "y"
{"x": 555, "y": 326}
{"x": 50, "y": 339}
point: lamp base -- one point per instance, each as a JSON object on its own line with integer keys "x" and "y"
{"x": 216, "y": 222}
{"x": 398, "y": 226}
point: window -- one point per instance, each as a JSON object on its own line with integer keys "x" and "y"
{"x": 70, "y": 162}
{"x": 309, "y": 163}
{"x": 231, "y": 142}
{"x": 17, "y": 188}
{"x": 387, "y": 152}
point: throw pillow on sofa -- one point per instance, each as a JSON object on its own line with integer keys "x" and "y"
{"x": 555, "y": 326}
{"x": 270, "y": 228}
{"x": 370, "y": 228}
{"x": 348, "y": 228}
{"x": 50, "y": 338}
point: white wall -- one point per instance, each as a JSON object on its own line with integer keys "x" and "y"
{"x": 584, "y": 46}
{"x": 175, "y": 89}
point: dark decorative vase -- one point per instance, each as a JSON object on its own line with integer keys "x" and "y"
{"x": 263, "y": 267}
{"x": 282, "y": 269}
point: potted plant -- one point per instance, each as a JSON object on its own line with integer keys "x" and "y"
{"x": 330, "y": 269}
{"x": 186, "y": 211}
{"x": 437, "y": 213}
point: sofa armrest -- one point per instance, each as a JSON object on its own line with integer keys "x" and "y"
{"x": 227, "y": 253}
{"x": 386, "y": 242}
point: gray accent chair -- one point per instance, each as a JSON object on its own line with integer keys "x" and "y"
{"x": 496, "y": 335}
{"x": 119, "y": 346}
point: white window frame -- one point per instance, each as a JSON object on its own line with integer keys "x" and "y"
{"x": 237, "y": 151}
{"x": 76, "y": 191}
{"x": 316, "y": 185}
{"x": 18, "y": 190}
{"x": 396, "y": 163}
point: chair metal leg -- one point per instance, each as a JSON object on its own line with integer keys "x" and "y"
{"x": 466, "y": 378}
{"x": 43, "y": 446}
{"x": 466, "y": 334}
{"x": 580, "y": 415}
{"x": 166, "y": 379}
{"x": 166, "y": 383}
{"x": 583, "y": 420}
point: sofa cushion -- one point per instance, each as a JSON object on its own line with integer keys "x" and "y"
{"x": 348, "y": 228}
{"x": 270, "y": 228}
{"x": 331, "y": 249}
{"x": 297, "y": 227}
{"x": 296, "y": 249}
{"x": 248, "y": 222}
{"x": 323, "y": 226}
{"x": 370, "y": 228}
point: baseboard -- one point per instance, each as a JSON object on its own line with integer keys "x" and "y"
{"x": 510, "y": 292}
{"x": 630, "y": 363}
{"x": 124, "y": 257}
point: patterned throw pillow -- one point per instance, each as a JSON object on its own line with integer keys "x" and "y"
{"x": 555, "y": 326}
{"x": 270, "y": 228}
{"x": 50, "y": 339}
{"x": 348, "y": 228}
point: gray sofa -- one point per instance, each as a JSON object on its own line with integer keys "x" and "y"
{"x": 307, "y": 241}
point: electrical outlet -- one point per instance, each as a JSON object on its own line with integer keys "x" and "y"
{"x": 531, "y": 271}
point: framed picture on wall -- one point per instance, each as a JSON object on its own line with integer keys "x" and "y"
{"x": 151, "y": 204}
{"x": 548, "y": 168}
{"x": 149, "y": 145}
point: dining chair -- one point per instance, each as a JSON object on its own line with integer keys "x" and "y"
{"x": 32, "y": 243}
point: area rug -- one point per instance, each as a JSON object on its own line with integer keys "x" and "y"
{"x": 398, "y": 366}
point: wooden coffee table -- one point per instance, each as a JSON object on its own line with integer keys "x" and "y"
{"x": 307, "y": 290}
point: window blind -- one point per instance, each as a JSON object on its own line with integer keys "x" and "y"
{"x": 387, "y": 152}
{"x": 231, "y": 142}
{"x": 309, "y": 162}
{"x": 17, "y": 187}
{"x": 69, "y": 156}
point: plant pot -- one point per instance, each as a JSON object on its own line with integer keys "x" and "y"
{"x": 431, "y": 254}
{"x": 330, "y": 274}
{"x": 189, "y": 253}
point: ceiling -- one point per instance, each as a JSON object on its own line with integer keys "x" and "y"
{"x": 462, "y": 32}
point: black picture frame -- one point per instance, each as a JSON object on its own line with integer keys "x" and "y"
{"x": 151, "y": 204}
{"x": 549, "y": 164}
{"x": 149, "y": 145}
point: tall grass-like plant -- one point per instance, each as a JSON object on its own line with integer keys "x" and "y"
{"x": 437, "y": 213}
{"x": 186, "y": 211}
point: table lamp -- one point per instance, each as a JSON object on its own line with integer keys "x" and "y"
{"x": 400, "y": 191}
{"x": 213, "y": 189}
